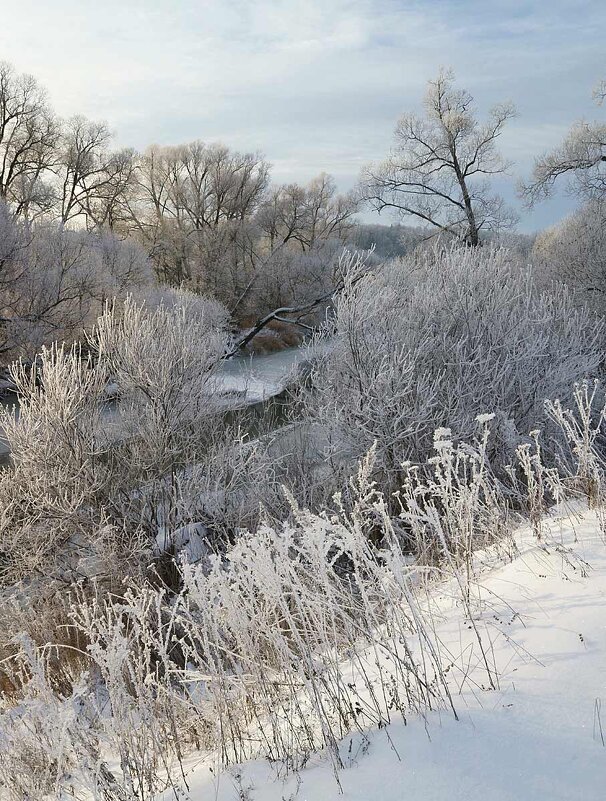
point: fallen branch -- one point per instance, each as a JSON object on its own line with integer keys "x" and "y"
{"x": 350, "y": 262}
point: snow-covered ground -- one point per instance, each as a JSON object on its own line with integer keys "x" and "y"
{"x": 540, "y": 736}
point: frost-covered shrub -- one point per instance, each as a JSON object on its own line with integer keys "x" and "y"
{"x": 92, "y": 474}
{"x": 122, "y": 265}
{"x": 457, "y": 506}
{"x": 54, "y": 282}
{"x": 297, "y": 635}
{"x": 435, "y": 339}
{"x": 583, "y": 425}
{"x": 48, "y": 494}
{"x": 164, "y": 363}
{"x": 574, "y": 252}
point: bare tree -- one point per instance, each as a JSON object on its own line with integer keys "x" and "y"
{"x": 92, "y": 178}
{"x": 439, "y": 167}
{"x": 199, "y": 185}
{"x": 29, "y": 134}
{"x": 302, "y": 215}
{"x": 107, "y": 202}
{"x": 187, "y": 194}
{"x": 581, "y": 158}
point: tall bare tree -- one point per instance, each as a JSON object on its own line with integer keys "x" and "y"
{"x": 191, "y": 196}
{"x": 439, "y": 168}
{"x": 92, "y": 178}
{"x": 581, "y": 158}
{"x": 199, "y": 185}
{"x": 29, "y": 133}
{"x": 306, "y": 214}
{"x": 107, "y": 202}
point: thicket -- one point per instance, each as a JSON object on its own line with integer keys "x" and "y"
{"x": 294, "y": 636}
{"x": 434, "y": 339}
{"x": 169, "y": 582}
{"x": 206, "y": 217}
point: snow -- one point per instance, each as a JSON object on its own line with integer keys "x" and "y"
{"x": 258, "y": 378}
{"x": 542, "y": 618}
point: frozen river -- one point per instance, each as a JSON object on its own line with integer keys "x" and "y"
{"x": 261, "y": 377}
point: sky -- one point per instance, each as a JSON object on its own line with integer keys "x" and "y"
{"x": 315, "y": 85}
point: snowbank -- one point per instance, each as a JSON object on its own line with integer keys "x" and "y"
{"x": 540, "y": 735}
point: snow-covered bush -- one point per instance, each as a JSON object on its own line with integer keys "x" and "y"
{"x": 584, "y": 427}
{"x": 437, "y": 338}
{"x": 164, "y": 362}
{"x": 574, "y": 252}
{"x": 458, "y": 507}
{"x": 86, "y": 470}
{"x": 54, "y": 282}
{"x": 48, "y": 495}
